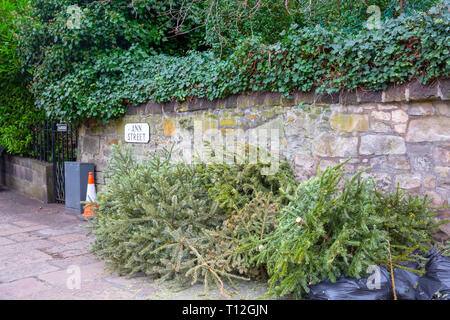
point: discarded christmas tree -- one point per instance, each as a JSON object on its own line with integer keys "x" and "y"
{"x": 335, "y": 225}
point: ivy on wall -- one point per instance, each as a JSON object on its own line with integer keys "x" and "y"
{"x": 308, "y": 58}
{"x": 17, "y": 112}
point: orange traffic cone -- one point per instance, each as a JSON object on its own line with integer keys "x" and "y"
{"x": 91, "y": 196}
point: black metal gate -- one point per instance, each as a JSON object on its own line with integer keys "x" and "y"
{"x": 55, "y": 142}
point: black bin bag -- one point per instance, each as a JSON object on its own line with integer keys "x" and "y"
{"x": 435, "y": 284}
{"x": 406, "y": 282}
{"x": 346, "y": 288}
{"x": 354, "y": 289}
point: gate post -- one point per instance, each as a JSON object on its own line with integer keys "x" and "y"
{"x": 52, "y": 130}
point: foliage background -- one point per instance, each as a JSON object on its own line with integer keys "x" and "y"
{"x": 17, "y": 111}
{"x": 128, "y": 52}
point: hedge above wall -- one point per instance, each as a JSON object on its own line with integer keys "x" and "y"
{"x": 312, "y": 58}
{"x": 17, "y": 116}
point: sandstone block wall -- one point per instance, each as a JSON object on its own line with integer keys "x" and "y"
{"x": 28, "y": 176}
{"x": 402, "y": 133}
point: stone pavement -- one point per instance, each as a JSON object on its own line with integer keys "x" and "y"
{"x": 44, "y": 251}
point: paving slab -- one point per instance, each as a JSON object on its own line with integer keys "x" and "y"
{"x": 81, "y": 245}
{"x": 24, "y": 271}
{"x": 4, "y": 241}
{"x": 4, "y": 218}
{"x": 21, "y": 288}
{"x": 101, "y": 290}
{"x": 68, "y": 238}
{"x": 25, "y": 223}
{"x": 25, "y": 246}
{"x": 93, "y": 290}
{"x": 18, "y": 260}
{"x": 79, "y": 260}
{"x": 24, "y": 237}
{"x": 14, "y": 230}
{"x": 143, "y": 288}
{"x": 7, "y": 228}
{"x": 51, "y": 232}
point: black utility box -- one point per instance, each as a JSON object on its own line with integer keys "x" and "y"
{"x": 76, "y": 179}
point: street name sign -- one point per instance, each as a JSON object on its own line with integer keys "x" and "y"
{"x": 137, "y": 133}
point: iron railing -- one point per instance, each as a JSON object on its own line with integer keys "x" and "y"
{"x": 55, "y": 143}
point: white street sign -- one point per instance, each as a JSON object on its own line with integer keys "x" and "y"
{"x": 137, "y": 133}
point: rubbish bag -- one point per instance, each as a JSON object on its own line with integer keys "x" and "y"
{"x": 406, "y": 282}
{"x": 435, "y": 284}
{"x": 378, "y": 286}
{"x": 375, "y": 287}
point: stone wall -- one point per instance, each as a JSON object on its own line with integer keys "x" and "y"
{"x": 28, "y": 176}
{"x": 402, "y": 133}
